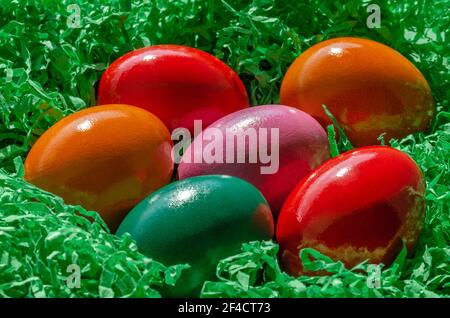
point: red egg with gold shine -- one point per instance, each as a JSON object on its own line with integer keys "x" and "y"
{"x": 361, "y": 205}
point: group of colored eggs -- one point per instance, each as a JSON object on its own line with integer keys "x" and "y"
{"x": 117, "y": 159}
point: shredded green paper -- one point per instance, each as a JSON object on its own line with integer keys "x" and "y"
{"x": 52, "y": 54}
{"x": 41, "y": 238}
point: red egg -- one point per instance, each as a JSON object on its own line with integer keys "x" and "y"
{"x": 357, "y": 206}
{"x": 178, "y": 84}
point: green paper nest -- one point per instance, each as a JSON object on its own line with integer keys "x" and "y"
{"x": 49, "y": 70}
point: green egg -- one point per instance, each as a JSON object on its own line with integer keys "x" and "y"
{"x": 199, "y": 221}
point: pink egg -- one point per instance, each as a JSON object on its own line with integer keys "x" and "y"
{"x": 271, "y": 146}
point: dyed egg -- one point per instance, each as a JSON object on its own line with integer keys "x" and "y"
{"x": 358, "y": 206}
{"x": 105, "y": 158}
{"x": 272, "y": 146}
{"x": 176, "y": 83}
{"x": 370, "y": 88}
{"x": 199, "y": 221}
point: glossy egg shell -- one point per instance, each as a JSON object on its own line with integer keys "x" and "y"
{"x": 369, "y": 87}
{"x": 199, "y": 221}
{"x": 302, "y": 147}
{"x": 357, "y": 206}
{"x": 105, "y": 158}
{"x": 178, "y": 84}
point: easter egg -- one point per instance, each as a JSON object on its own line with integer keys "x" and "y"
{"x": 176, "y": 83}
{"x": 361, "y": 205}
{"x": 105, "y": 158}
{"x": 199, "y": 221}
{"x": 271, "y": 146}
{"x": 370, "y": 88}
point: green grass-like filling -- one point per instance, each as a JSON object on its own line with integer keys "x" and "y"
{"x": 49, "y": 70}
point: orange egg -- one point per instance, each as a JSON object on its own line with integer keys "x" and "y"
{"x": 105, "y": 158}
{"x": 370, "y": 88}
